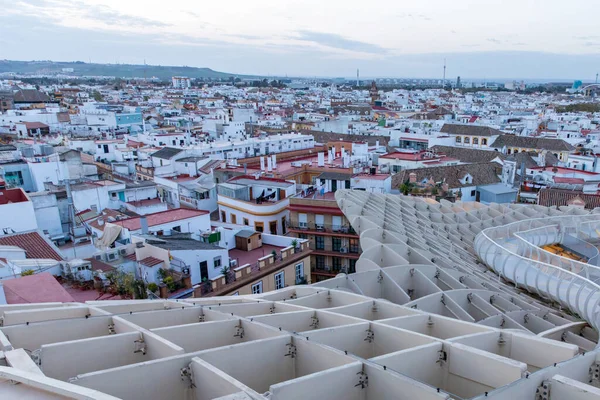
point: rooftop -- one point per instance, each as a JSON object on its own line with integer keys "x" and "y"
{"x": 9, "y": 196}
{"x": 37, "y": 288}
{"x": 159, "y": 218}
{"x": 33, "y": 243}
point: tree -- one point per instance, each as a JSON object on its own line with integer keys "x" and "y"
{"x": 27, "y": 272}
{"x": 405, "y": 188}
{"x": 97, "y": 96}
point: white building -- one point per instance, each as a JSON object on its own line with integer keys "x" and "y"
{"x": 181, "y": 82}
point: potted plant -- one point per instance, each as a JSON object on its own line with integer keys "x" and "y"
{"x": 225, "y": 271}
{"x": 295, "y": 244}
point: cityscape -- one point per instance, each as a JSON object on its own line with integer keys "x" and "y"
{"x": 261, "y": 204}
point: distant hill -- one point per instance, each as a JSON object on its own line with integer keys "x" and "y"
{"x": 117, "y": 70}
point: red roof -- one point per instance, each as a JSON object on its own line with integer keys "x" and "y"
{"x": 35, "y": 125}
{"x": 151, "y": 261}
{"x": 33, "y": 243}
{"x": 38, "y": 288}
{"x": 100, "y": 265}
{"x": 159, "y": 218}
{"x": 12, "y": 196}
{"x": 576, "y": 181}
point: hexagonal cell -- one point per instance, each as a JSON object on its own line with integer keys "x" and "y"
{"x": 273, "y": 361}
{"x": 368, "y": 340}
{"x": 301, "y": 321}
{"x": 208, "y": 335}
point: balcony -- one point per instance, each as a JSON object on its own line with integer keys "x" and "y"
{"x": 329, "y": 271}
{"x": 329, "y": 250}
{"x": 323, "y": 228}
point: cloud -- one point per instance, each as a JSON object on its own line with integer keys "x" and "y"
{"x": 339, "y": 42}
{"x": 495, "y": 41}
{"x": 62, "y": 11}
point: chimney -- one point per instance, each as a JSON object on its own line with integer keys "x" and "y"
{"x": 274, "y": 161}
{"x": 269, "y": 164}
{"x": 245, "y": 168}
{"x": 321, "y": 159}
{"x": 412, "y": 177}
{"x": 144, "y": 225}
{"x": 262, "y": 163}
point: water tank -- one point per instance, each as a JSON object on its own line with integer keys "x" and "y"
{"x": 28, "y": 152}
{"x": 46, "y": 150}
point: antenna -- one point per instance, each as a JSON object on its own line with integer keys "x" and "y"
{"x": 444, "y": 81}
{"x": 596, "y": 77}
{"x": 357, "y": 77}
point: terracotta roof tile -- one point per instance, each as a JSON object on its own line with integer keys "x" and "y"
{"x": 38, "y": 288}
{"x": 151, "y": 261}
{"x": 33, "y": 243}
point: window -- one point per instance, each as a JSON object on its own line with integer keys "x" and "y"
{"x": 279, "y": 280}
{"x": 246, "y": 222}
{"x": 257, "y": 288}
{"x": 351, "y": 266}
{"x": 299, "y": 272}
{"x": 14, "y": 178}
{"x": 320, "y": 221}
{"x": 336, "y": 222}
{"x": 233, "y": 219}
{"x": 467, "y": 140}
{"x": 223, "y": 216}
{"x": 302, "y": 221}
{"x": 458, "y": 139}
{"x": 217, "y": 262}
{"x": 273, "y": 227}
{"x": 320, "y": 262}
{"x": 259, "y": 226}
{"x": 472, "y": 193}
{"x": 302, "y": 236}
{"x": 176, "y": 228}
{"x": 337, "y": 263}
{"x": 475, "y": 140}
{"x": 354, "y": 247}
{"x": 319, "y": 242}
{"x": 336, "y": 243}
{"x": 484, "y": 142}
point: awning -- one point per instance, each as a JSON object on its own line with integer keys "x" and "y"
{"x": 111, "y": 233}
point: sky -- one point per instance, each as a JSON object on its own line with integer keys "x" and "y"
{"x": 485, "y": 39}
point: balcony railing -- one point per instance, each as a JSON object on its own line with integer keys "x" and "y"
{"x": 344, "y": 249}
{"x": 328, "y": 228}
{"x": 330, "y": 269}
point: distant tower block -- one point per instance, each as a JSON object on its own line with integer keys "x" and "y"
{"x": 458, "y": 82}
{"x": 374, "y": 92}
{"x": 357, "y": 77}
{"x": 444, "y": 80}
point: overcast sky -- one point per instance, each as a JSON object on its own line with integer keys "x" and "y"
{"x": 479, "y": 38}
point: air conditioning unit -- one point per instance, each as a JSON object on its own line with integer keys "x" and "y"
{"x": 112, "y": 256}
{"x": 99, "y": 257}
{"x": 123, "y": 252}
{"x": 233, "y": 263}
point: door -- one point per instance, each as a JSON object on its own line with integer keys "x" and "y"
{"x": 273, "y": 227}
{"x": 203, "y": 270}
{"x": 333, "y": 185}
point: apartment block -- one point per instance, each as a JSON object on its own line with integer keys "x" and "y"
{"x": 335, "y": 245}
